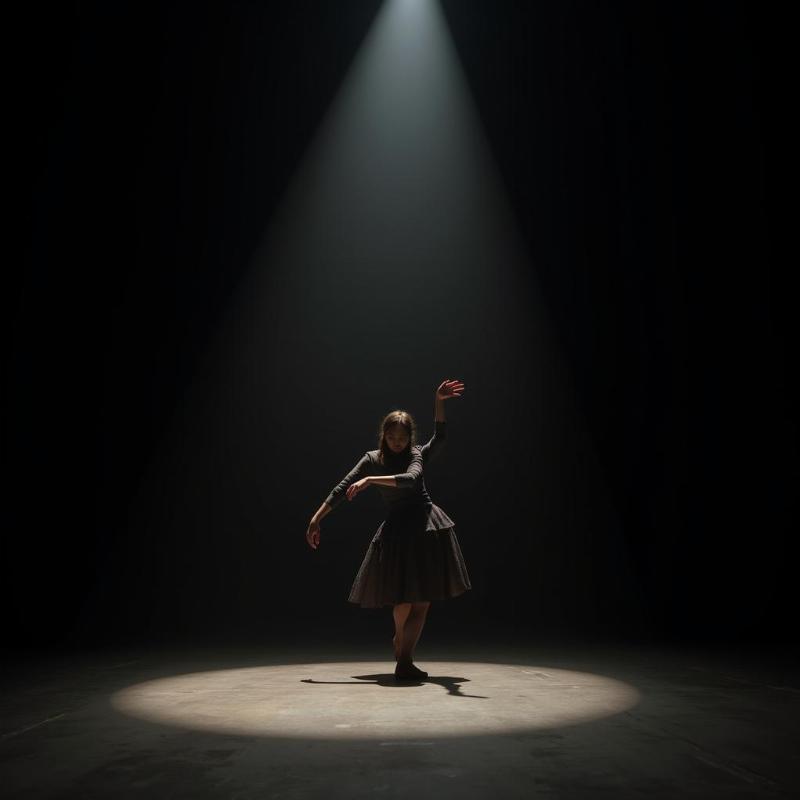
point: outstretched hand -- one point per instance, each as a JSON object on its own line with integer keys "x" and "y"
{"x": 448, "y": 388}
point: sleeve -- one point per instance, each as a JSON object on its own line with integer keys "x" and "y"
{"x": 436, "y": 443}
{"x": 413, "y": 473}
{"x": 338, "y": 492}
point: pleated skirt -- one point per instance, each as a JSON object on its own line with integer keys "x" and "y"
{"x": 414, "y": 556}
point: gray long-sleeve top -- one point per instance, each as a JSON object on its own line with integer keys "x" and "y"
{"x": 410, "y": 487}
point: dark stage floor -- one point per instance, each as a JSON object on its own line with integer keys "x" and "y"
{"x": 497, "y": 718}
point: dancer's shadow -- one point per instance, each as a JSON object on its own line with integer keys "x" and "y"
{"x": 387, "y": 679}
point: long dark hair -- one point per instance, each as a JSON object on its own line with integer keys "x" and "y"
{"x": 398, "y": 417}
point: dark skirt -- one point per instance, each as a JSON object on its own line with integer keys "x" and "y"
{"x": 413, "y": 557}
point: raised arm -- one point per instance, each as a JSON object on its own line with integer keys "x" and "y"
{"x": 435, "y": 444}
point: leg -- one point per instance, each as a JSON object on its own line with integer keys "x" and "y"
{"x": 400, "y": 612}
{"x": 412, "y": 631}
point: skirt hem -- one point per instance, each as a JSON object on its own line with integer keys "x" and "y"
{"x": 362, "y": 604}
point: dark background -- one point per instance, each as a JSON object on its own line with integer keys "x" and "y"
{"x": 642, "y": 149}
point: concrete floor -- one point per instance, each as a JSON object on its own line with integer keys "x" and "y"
{"x": 493, "y": 720}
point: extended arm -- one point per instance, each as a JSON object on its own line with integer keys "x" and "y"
{"x": 337, "y": 493}
{"x": 404, "y": 479}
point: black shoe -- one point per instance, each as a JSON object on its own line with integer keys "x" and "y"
{"x": 409, "y": 673}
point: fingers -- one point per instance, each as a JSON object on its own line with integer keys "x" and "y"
{"x": 312, "y": 537}
{"x": 451, "y": 388}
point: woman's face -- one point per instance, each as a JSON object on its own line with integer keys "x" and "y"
{"x": 396, "y": 438}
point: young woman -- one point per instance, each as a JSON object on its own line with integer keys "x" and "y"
{"x": 414, "y": 557}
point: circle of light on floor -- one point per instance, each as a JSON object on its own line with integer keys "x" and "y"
{"x": 363, "y": 700}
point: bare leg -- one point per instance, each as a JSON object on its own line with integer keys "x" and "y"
{"x": 412, "y": 631}
{"x": 400, "y": 612}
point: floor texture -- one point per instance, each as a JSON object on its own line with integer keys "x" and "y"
{"x": 494, "y": 719}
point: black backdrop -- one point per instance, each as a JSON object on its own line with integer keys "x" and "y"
{"x": 156, "y": 141}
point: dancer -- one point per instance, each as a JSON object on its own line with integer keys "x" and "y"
{"x": 414, "y": 557}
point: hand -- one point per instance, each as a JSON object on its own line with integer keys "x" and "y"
{"x": 312, "y": 534}
{"x": 354, "y": 488}
{"x": 449, "y": 389}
